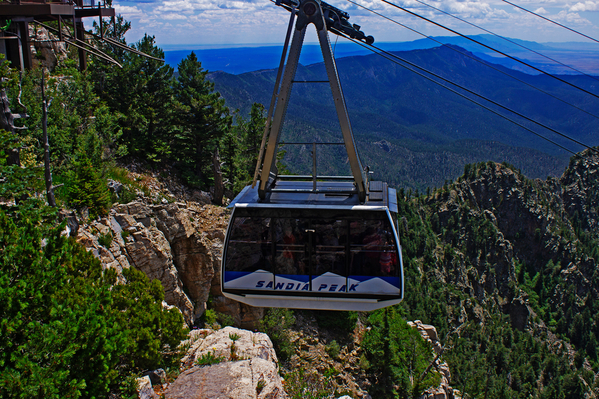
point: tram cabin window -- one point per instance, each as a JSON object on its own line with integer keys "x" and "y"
{"x": 310, "y": 255}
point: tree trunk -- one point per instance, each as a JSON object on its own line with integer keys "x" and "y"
{"x": 199, "y": 160}
{"x": 7, "y": 122}
{"x": 48, "y": 173}
{"x": 219, "y": 188}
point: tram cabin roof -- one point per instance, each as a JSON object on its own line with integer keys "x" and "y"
{"x": 328, "y": 195}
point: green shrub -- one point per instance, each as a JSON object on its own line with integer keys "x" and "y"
{"x": 105, "y": 240}
{"x": 260, "y": 386}
{"x": 86, "y": 188}
{"x": 276, "y": 324}
{"x": 333, "y": 349}
{"x": 215, "y": 320}
{"x": 303, "y": 384}
{"x": 67, "y": 331}
{"x": 208, "y": 359}
{"x": 126, "y": 195}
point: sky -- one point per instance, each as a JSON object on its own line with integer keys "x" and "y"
{"x": 223, "y": 23}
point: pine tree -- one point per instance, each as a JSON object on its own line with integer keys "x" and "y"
{"x": 141, "y": 93}
{"x": 202, "y": 120}
{"x": 87, "y": 188}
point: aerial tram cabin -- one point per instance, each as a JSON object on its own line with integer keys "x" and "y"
{"x": 313, "y": 242}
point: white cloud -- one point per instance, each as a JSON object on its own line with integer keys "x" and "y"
{"x": 571, "y": 19}
{"x": 586, "y": 6}
{"x": 260, "y": 21}
{"x": 173, "y": 16}
{"x": 128, "y": 11}
{"x": 174, "y": 7}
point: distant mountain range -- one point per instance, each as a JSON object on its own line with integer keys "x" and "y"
{"x": 415, "y": 133}
{"x": 582, "y": 56}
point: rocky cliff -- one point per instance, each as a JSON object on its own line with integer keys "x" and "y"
{"x": 495, "y": 245}
{"x": 499, "y": 224}
{"x": 178, "y": 243}
{"x": 491, "y": 243}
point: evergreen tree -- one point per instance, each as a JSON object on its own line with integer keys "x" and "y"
{"x": 398, "y": 356}
{"x": 202, "y": 120}
{"x": 241, "y": 147}
{"x": 141, "y": 93}
{"x": 87, "y": 188}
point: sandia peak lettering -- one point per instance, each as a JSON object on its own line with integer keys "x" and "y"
{"x": 305, "y": 287}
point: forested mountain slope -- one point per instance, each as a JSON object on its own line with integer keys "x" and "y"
{"x": 415, "y": 133}
{"x": 506, "y": 268}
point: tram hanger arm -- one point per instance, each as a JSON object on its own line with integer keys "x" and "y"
{"x": 310, "y": 12}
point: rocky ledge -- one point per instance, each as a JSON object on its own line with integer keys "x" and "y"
{"x": 228, "y": 363}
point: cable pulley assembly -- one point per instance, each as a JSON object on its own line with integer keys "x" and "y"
{"x": 336, "y": 20}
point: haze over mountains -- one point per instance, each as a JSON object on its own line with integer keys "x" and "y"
{"x": 415, "y": 133}
{"x": 239, "y": 59}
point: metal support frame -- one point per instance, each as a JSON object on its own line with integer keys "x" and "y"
{"x": 22, "y": 13}
{"x": 79, "y": 35}
{"x": 309, "y": 12}
{"x": 25, "y": 53}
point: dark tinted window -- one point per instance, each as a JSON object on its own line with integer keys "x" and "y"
{"x": 290, "y": 246}
{"x": 372, "y": 248}
{"x": 329, "y": 240}
{"x": 249, "y": 245}
{"x": 313, "y": 246}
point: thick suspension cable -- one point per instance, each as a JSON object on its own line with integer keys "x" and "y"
{"x": 550, "y": 20}
{"x": 489, "y": 47}
{"x": 393, "y": 58}
{"x": 466, "y": 54}
{"x": 505, "y": 38}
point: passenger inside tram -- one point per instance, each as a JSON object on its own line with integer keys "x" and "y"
{"x": 289, "y": 256}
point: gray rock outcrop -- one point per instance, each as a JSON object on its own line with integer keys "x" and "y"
{"x": 179, "y": 244}
{"x": 166, "y": 242}
{"x": 444, "y": 390}
{"x": 246, "y": 366}
{"x": 49, "y": 51}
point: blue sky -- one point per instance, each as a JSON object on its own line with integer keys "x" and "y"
{"x": 205, "y": 23}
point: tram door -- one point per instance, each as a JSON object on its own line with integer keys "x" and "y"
{"x": 290, "y": 238}
{"x": 310, "y": 255}
{"x": 327, "y": 254}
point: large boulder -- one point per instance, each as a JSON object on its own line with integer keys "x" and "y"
{"x": 230, "y": 344}
{"x": 243, "y": 379}
{"x": 229, "y": 363}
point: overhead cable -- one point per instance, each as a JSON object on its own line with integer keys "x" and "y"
{"x": 489, "y": 47}
{"x": 109, "y": 40}
{"x": 505, "y": 38}
{"x": 393, "y": 58}
{"x": 469, "y": 55}
{"x": 80, "y": 44}
{"x": 550, "y": 20}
